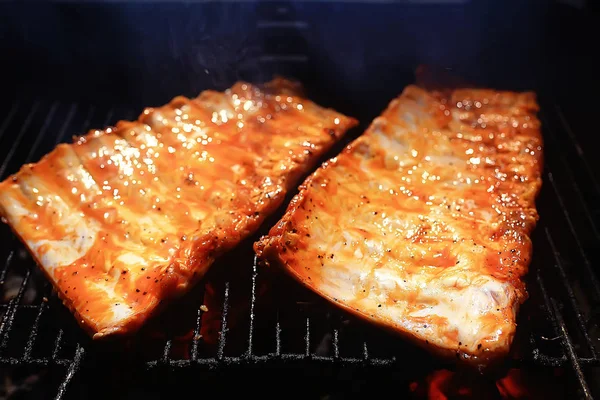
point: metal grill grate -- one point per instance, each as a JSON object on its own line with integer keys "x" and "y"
{"x": 251, "y": 321}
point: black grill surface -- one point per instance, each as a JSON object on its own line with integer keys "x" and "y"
{"x": 251, "y": 328}
{"x": 244, "y": 318}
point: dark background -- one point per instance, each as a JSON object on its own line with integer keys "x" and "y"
{"x": 354, "y": 55}
{"x": 351, "y": 55}
{"x": 145, "y": 52}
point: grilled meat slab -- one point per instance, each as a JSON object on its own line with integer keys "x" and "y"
{"x": 422, "y": 224}
{"x": 124, "y": 219}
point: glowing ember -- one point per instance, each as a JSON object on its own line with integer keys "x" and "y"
{"x": 516, "y": 384}
{"x": 512, "y": 385}
{"x": 444, "y": 384}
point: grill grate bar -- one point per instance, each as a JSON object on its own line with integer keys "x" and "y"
{"x": 73, "y": 368}
{"x": 14, "y": 361}
{"x": 586, "y": 261}
{"x": 196, "y": 337}
{"x": 167, "y": 351}
{"x": 278, "y": 336}
{"x": 19, "y": 137}
{"x": 543, "y": 360}
{"x": 21, "y": 306}
{"x": 547, "y": 304}
{"x": 213, "y": 361}
{"x": 365, "y": 351}
{"x": 34, "y": 330}
{"x": 252, "y": 305}
{"x": 307, "y": 338}
{"x": 7, "y": 263}
{"x": 9, "y": 317}
{"x": 8, "y": 118}
{"x": 571, "y": 177}
{"x": 166, "y": 356}
{"x": 571, "y": 295}
{"x": 222, "y": 335}
{"x": 42, "y": 132}
{"x": 57, "y": 344}
{"x": 336, "y": 344}
{"x": 577, "y": 146}
{"x": 66, "y": 124}
{"x": 568, "y": 347}
{"x": 559, "y": 327}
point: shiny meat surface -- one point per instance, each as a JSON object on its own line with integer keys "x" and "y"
{"x": 126, "y": 218}
{"x": 422, "y": 224}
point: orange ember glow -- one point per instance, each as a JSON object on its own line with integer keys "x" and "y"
{"x": 513, "y": 386}
{"x": 516, "y": 384}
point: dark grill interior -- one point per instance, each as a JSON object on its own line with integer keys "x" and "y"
{"x": 248, "y": 322}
